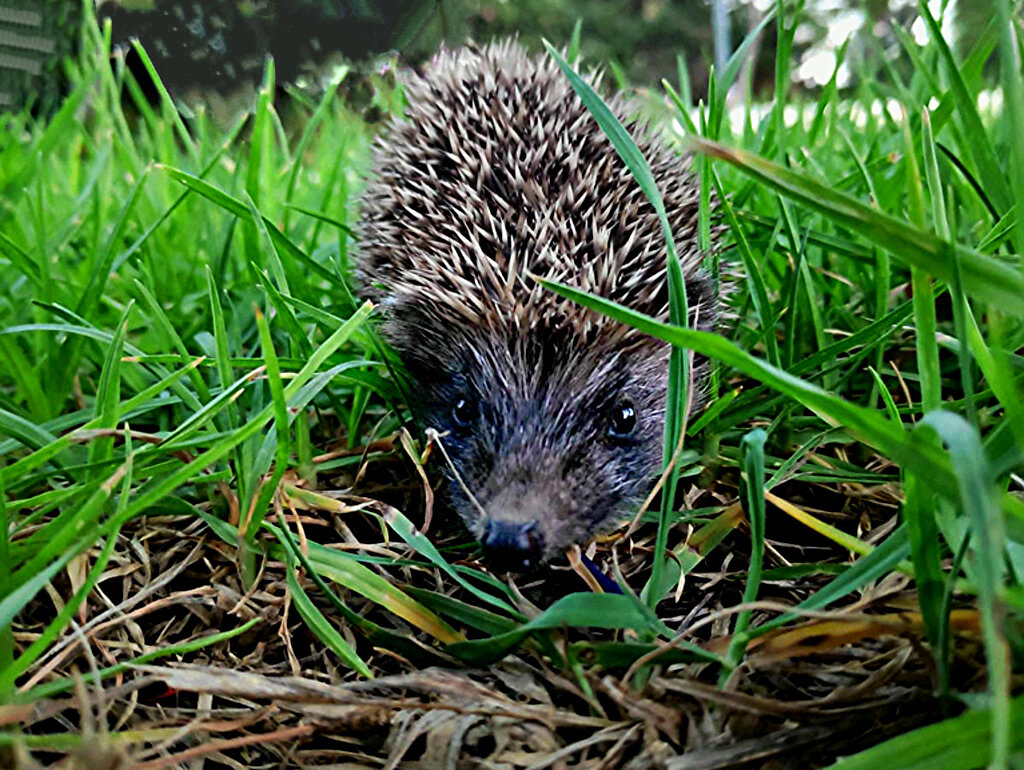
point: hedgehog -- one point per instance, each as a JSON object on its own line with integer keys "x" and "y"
{"x": 550, "y": 415}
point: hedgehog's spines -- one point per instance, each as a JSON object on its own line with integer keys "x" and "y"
{"x": 499, "y": 170}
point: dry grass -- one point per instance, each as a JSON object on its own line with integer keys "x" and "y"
{"x": 273, "y": 696}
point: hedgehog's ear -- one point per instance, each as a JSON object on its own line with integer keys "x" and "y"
{"x": 420, "y": 336}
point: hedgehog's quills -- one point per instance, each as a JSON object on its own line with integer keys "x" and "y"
{"x": 554, "y": 414}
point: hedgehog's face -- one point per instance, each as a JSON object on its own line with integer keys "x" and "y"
{"x": 550, "y": 440}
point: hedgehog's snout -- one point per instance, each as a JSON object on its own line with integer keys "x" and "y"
{"x": 511, "y": 546}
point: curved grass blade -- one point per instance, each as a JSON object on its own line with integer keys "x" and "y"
{"x": 108, "y": 391}
{"x": 9, "y": 674}
{"x": 405, "y": 529}
{"x": 25, "y": 432}
{"x": 679, "y": 364}
{"x": 754, "y": 278}
{"x": 980, "y": 502}
{"x": 346, "y": 571}
{"x": 255, "y": 512}
{"x": 58, "y": 686}
{"x": 165, "y": 99}
{"x": 322, "y": 628}
{"x": 418, "y": 654}
{"x": 922, "y": 287}
{"x": 983, "y": 277}
{"x": 1010, "y": 55}
{"x": 321, "y": 217}
{"x": 462, "y": 612}
{"x": 286, "y": 248}
{"x": 990, "y": 170}
{"x": 153, "y": 492}
{"x": 732, "y": 70}
{"x": 20, "y": 258}
{"x": 591, "y": 610}
{"x": 865, "y": 424}
{"x": 752, "y": 494}
{"x": 961, "y": 743}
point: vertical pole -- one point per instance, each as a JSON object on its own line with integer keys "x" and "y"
{"x": 720, "y": 33}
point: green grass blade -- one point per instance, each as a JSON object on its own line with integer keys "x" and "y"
{"x": 962, "y": 743}
{"x": 25, "y": 432}
{"x": 282, "y": 431}
{"x": 322, "y": 217}
{"x": 20, "y": 258}
{"x": 753, "y": 276}
{"x": 259, "y": 143}
{"x": 928, "y": 369}
{"x": 864, "y": 423}
{"x": 286, "y": 249}
{"x": 108, "y": 392}
{"x": 582, "y": 609}
{"x": 165, "y": 99}
{"x": 462, "y": 612}
{"x": 322, "y": 628}
{"x": 925, "y": 553}
{"x": 990, "y": 170}
{"x": 1013, "y": 94}
{"x": 783, "y": 61}
{"x": 983, "y": 277}
{"x": 273, "y": 261}
{"x": 732, "y": 70}
{"x": 679, "y": 364}
{"x": 299, "y": 337}
{"x": 49, "y": 689}
{"x": 890, "y": 405}
{"x": 979, "y": 498}
{"x": 93, "y": 292}
{"x": 752, "y": 495}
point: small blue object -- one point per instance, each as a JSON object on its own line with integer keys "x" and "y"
{"x": 609, "y": 585}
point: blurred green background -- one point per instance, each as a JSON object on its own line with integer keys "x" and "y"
{"x": 216, "y": 48}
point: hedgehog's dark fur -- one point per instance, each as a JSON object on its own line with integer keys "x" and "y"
{"x": 499, "y": 170}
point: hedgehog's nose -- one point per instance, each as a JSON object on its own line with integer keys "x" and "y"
{"x": 511, "y": 547}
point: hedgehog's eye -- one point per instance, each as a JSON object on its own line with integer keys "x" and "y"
{"x": 623, "y": 421}
{"x": 463, "y": 413}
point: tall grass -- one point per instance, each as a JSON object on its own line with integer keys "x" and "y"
{"x": 178, "y": 335}
{"x": 162, "y": 337}
{"x": 961, "y": 464}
